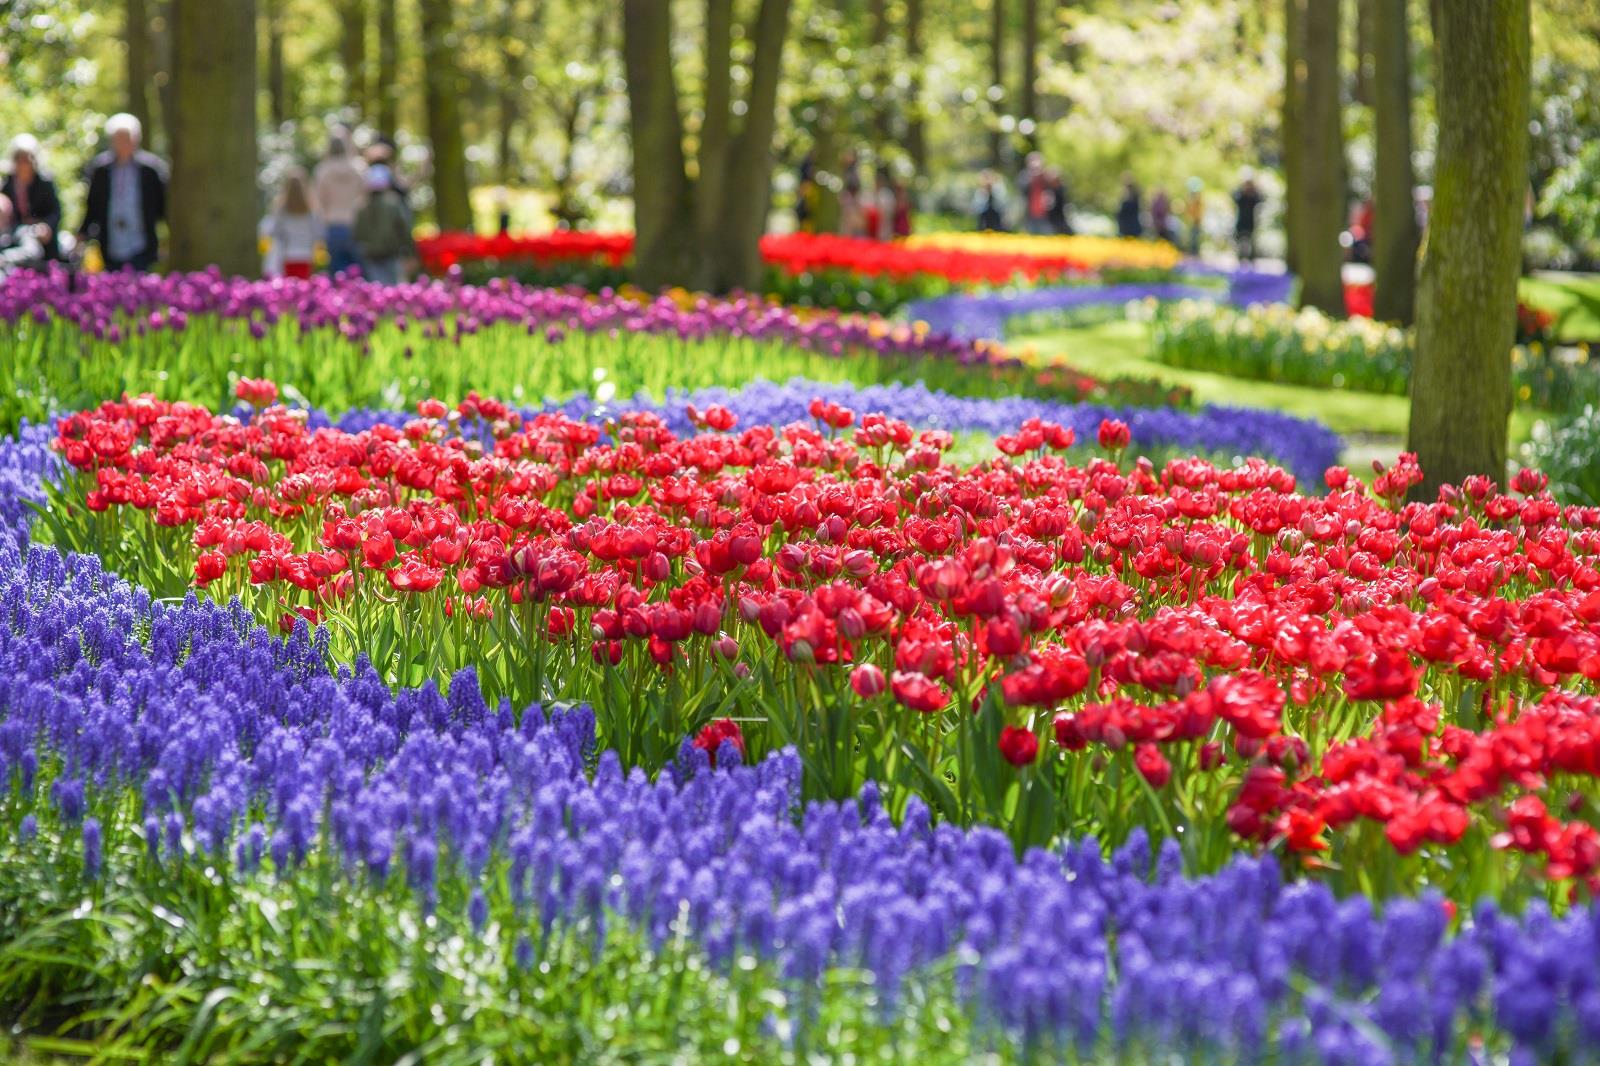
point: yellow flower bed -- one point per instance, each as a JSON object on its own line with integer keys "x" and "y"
{"x": 1091, "y": 251}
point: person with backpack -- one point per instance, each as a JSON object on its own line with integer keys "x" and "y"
{"x": 383, "y": 229}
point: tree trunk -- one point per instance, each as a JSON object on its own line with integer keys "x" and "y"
{"x": 277, "y": 77}
{"x": 1394, "y": 213}
{"x": 212, "y": 206}
{"x": 663, "y": 214}
{"x": 1322, "y": 177}
{"x": 353, "y": 53}
{"x": 442, "y": 90}
{"x": 748, "y": 183}
{"x": 997, "y": 77}
{"x": 1289, "y": 128}
{"x": 882, "y": 119}
{"x": 388, "y": 62}
{"x": 1366, "y": 44}
{"x": 916, "y": 130}
{"x": 716, "y": 136}
{"x": 136, "y": 31}
{"x": 1028, "y": 99}
{"x": 162, "y": 31}
{"x": 1466, "y": 306}
{"x": 508, "y": 93}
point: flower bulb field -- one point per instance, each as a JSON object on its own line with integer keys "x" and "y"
{"x": 451, "y": 673}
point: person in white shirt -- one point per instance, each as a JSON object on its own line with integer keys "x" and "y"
{"x": 339, "y": 189}
{"x": 292, "y": 229}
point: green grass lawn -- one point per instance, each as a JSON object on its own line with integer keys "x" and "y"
{"x": 1573, "y": 298}
{"x": 1111, "y": 349}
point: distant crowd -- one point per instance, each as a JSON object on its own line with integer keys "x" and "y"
{"x": 1042, "y": 207}
{"x": 351, "y": 203}
{"x": 1036, "y": 202}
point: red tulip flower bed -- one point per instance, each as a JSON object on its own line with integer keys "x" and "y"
{"x": 1053, "y": 641}
{"x": 794, "y": 253}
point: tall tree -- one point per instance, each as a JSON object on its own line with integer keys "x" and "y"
{"x": 1322, "y": 201}
{"x": 916, "y": 127}
{"x": 162, "y": 33}
{"x": 1466, "y": 303}
{"x": 1366, "y": 45}
{"x": 997, "y": 77}
{"x": 882, "y": 117}
{"x": 1394, "y": 215}
{"x": 705, "y": 230}
{"x": 442, "y": 95}
{"x": 136, "y": 32}
{"x": 1289, "y": 127}
{"x": 213, "y": 128}
{"x": 353, "y": 53}
{"x": 1028, "y": 98}
{"x": 508, "y": 91}
{"x": 277, "y": 75}
{"x": 388, "y": 62}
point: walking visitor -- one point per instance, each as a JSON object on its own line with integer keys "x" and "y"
{"x": 339, "y": 190}
{"x": 127, "y": 198}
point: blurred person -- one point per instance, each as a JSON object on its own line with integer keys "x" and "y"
{"x": 1161, "y": 215}
{"x": 902, "y": 208}
{"x": 1130, "y": 212}
{"x": 1247, "y": 201}
{"x": 988, "y": 203}
{"x": 384, "y": 151}
{"x": 1033, "y": 190}
{"x": 852, "y": 210}
{"x": 1360, "y": 232}
{"x": 805, "y": 195}
{"x": 33, "y": 198}
{"x": 20, "y": 246}
{"x": 1057, "y": 214}
{"x": 383, "y": 229}
{"x": 127, "y": 198}
{"x": 292, "y": 228}
{"x": 884, "y": 203}
{"x": 1194, "y": 214}
{"x": 338, "y": 191}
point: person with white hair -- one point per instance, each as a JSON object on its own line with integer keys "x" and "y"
{"x": 34, "y": 202}
{"x": 127, "y": 198}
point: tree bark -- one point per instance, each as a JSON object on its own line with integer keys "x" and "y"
{"x": 136, "y": 32}
{"x": 663, "y": 217}
{"x": 997, "y": 77}
{"x": 716, "y": 132}
{"x": 353, "y": 53}
{"x": 1289, "y": 128}
{"x": 508, "y": 93}
{"x": 1322, "y": 178}
{"x": 916, "y": 129}
{"x": 277, "y": 76}
{"x": 882, "y": 119}
{"x": 1365, "y": 46}
{"x": 748, "y": 185}
{"x": 388, "y": 63}
{"x": 1028, "y": 99}
{"x": 674, "y": 242}
{"x": 1466, "y": 306}
{"x": 442, "y": 91}
{"x": 212, "y": 207}
{"x": 162, "y": 33}
{"x": 1394, "y": 213}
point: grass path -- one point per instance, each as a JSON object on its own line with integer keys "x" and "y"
{"x": 1374, "y": 423}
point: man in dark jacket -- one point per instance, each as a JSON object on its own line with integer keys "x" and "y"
{"x": 34, "y": 203}
{"x": 127, "y": 197}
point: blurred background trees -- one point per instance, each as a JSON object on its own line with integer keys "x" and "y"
{"x": 521, "y": 106}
